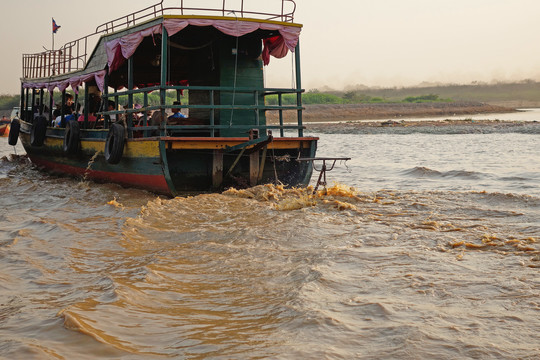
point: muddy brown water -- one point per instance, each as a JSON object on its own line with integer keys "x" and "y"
{"x": 427, "y": 247}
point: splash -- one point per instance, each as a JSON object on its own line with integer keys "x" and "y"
{"x": 338, "y": 196}
{"x": 115, "y": 203}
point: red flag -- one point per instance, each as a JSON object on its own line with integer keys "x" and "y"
{"x": 55, "y": 27}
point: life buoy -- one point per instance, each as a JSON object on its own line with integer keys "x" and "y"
{"x": 14, "y": 130}
{"x": 71, "y": 137}
{"x": 114, "y": 146}
{"x": 39, "y": 129}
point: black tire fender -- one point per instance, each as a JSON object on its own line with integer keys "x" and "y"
{"x": 14, "y": 130}
{"x": 71, "y": 137}
{"x": 39, "y": 129}
{"x": 114, "y": 146}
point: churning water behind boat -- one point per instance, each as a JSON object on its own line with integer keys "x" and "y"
{"x": 443, "y": 263}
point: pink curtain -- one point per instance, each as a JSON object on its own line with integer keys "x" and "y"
{"x": 74, "y": 82}
{"x": 118, "y": 50}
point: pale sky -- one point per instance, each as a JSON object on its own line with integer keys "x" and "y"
{"x": 343, "y": 42}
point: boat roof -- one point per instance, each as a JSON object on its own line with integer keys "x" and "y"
{"x": 71, "y": 65}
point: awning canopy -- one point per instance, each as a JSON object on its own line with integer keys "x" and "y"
{"x": 122, "y": 48}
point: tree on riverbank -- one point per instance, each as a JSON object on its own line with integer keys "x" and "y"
{"x": 8, "y": 102}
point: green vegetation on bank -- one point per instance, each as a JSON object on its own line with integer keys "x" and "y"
{"x": 524, "y": 91}
{"x": 350, "y": 97}
{"x": 8, "y": 102}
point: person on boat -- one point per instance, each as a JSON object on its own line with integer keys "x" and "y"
{"x": 93, "y": 107}
{"x": 57, "y": 118}
{"x": 4, "y": 120}
{"x": 112, "y": 107}
{"x": 177, "y": 116}
{"x": 69, "y": 106}
{"x": 137, "y": 117}
{"x": 68, "y": 116}
{"x": 35, "y": 110}
{"x": 91, "y": 117}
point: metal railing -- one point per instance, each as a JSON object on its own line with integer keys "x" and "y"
{"x": 212, "y": 127}
{"x": 73, "y": 55}
{"x": 70, "y": 57}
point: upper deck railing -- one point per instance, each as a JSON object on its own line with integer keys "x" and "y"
{"x": 73, "y": 55}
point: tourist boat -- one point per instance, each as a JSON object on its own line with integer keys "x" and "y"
{"x": 212, "y": 59}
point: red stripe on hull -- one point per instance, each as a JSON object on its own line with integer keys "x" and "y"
{"x": 155, "y": 183}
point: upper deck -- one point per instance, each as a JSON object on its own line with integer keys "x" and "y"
{"x": 74, "y": 55}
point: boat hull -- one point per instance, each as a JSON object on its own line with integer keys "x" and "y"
{"x": 4, "y": 129}
{"x": 175, "y": 165}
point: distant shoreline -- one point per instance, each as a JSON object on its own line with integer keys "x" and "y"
{"x": 388, "y": 111}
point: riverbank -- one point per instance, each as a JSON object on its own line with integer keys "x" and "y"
{"x": 394, "y": 111}
{"x": 425, "y": 126}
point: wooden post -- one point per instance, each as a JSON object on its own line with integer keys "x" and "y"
{"x": 298, "y": 87}
{"x": 280, "y": 103}
{"x": 31, "y": 118}
{"x": 253, "y": 168}
{"x": 75, "y": 101}
{"x": 130, "y": 95}
{"x": 86, "y": 105}
{"x": 116, "y": 105}
{"x": 263, "y": 162}
{"x": 163, "y": 83}
{"x": 51, "y": 102}
{"x": 20, "y": 114}
{"x": 24, "y": 110}
{"x": 62, "y": 113}
{"x": 105, "y": 97}
{"x": 212, "y": 115}
{"x": 145, "y": 115}
{"x": 41, "y": 107}
{"x": 217, "y": 169}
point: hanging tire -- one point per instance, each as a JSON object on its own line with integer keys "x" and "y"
{"x": 71, "y": 137}
{"x": 39, "y": 129}
{"x": 114, "y": 146}
{"x": 14, "y": 130}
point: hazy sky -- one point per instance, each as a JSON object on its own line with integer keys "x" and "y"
{"x": 343, "y": 43}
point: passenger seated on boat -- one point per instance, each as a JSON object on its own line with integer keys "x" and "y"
{"x": 91, "y": 117}
{"x": 138, "y": 115}
{"x": 177, "y": 116}
{"x": 112, "y": 107}
{"x": 68, "y": 116}
{"x": 57, "y": 118}
{"x": 156, "y": 118}
{"x": 69, "y": 106}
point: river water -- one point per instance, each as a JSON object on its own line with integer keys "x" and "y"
{"x": 427, "y": 246}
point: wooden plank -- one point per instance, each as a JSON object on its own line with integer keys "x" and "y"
{"x": 221, "y": 143}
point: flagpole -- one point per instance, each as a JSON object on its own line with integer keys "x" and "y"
{"x": 52, "y": 35}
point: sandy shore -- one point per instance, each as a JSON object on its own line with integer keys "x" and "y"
{"x": 341, "y": 112}
{"x": 425, "y": 126}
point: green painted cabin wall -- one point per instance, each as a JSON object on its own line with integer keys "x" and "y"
{"x": 249, "y": 74}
